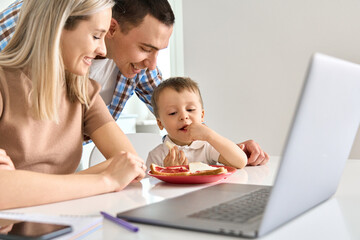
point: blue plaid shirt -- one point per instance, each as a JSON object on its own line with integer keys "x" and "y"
{"x": 142, "y": 84}
{"x": 8, "y": 19}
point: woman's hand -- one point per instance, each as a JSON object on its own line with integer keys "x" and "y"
{"x": 5, "y": 161}
{"x": 124, "y": 169}
{"x": 175, "y": 157}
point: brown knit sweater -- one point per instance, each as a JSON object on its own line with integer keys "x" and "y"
{"x": 44, "y": 146}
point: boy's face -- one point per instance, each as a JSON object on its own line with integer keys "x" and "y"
{"x": 177, "y": 111}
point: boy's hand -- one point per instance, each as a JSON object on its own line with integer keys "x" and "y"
{"x": 175, "y": 157}
{"x": 198, "y": 131}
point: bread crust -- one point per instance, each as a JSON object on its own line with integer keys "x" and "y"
{"x": 219, "y": 170}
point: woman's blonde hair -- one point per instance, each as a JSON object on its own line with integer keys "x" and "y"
{"x": 35, "y": 48}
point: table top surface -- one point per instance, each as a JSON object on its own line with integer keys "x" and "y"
{"x": 336, "y": 218}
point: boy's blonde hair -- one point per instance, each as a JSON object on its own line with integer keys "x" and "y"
{"x": 179, "y": 84}
{"x": 35, "y": 48}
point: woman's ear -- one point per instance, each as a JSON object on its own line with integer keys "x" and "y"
{"x": 159, "y": 124}
{"x": 114, "y": 26}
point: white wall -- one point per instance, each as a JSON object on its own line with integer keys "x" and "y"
{"x": 250, "y": 58}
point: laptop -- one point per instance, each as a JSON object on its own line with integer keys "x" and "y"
{"x": 318, "y": 144}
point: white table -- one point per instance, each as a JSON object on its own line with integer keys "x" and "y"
{"x": 338, "y": 218}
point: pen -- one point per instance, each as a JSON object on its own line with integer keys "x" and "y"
{"x": 121, "y": 222}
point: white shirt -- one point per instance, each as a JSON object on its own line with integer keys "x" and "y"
{"x": 198, "y": 151}
{"x": 104, "y": 71}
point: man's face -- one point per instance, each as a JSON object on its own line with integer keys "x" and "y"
{"x": 138, "y": 48}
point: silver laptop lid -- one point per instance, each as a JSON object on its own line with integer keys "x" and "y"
{"x": 319, "y": 141}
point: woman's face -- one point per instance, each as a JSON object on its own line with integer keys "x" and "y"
{"x": 82, "y": 44}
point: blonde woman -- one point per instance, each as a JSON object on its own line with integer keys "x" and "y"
{"x": 48, "y": 105}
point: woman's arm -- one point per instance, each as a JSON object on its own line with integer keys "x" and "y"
{"x": 24, "y": 188}
{"x": 230, "y": 153}
{"x": 21, "y": 188}
{"x": 110, "y": 140}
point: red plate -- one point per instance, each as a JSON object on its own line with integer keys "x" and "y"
{"x": 195, "y": 179}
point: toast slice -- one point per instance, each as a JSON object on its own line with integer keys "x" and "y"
{"x": 194, "y": 169}
{"x": 169, "y": 171}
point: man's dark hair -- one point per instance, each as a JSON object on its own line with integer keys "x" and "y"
{"x": 131, "y": 13}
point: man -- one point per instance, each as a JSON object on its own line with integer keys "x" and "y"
{"x": 139, "y": 29}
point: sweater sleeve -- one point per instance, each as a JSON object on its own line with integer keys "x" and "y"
{"x": 97, "y": 114}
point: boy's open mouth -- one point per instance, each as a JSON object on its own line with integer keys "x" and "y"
{"x": 183, "y": 128}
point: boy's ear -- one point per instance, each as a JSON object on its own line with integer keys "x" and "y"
{"x": 202, "y": 115}
{"x": 159, "y": 124}
{"x": 114, "y": 26}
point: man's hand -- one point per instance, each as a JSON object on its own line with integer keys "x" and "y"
{"x": 256, "y": 156}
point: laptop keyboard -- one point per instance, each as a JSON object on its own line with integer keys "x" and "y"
{"x": 238, "y": 210}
